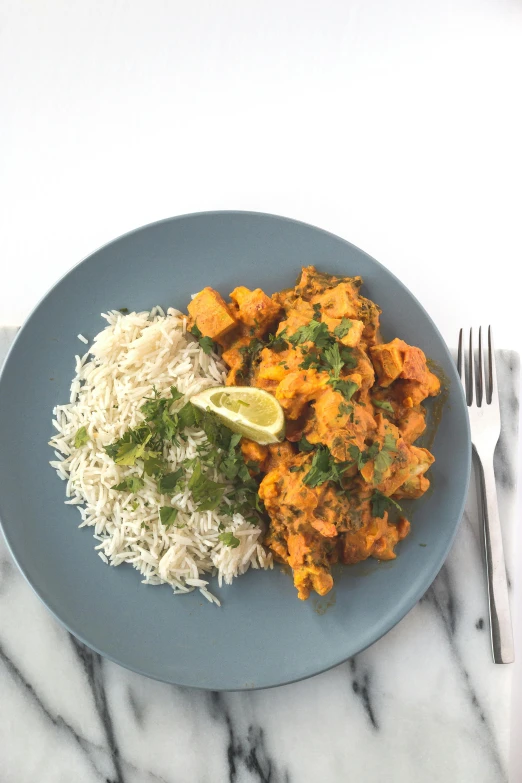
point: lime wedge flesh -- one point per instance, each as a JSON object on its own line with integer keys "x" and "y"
{"x": 252, "y": 412}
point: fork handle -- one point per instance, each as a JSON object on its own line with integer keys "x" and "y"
{"x": 499, "y": 610}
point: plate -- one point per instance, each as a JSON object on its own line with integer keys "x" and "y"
{"x": 263, "y": 635}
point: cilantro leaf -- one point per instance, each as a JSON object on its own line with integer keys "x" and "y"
{"x": 206, "y": 492}
{"x": 81, "y": 438}
{"x": 187, "y": 416}
{"x": 324, "y": 468}
{"x": 357, "y": 455}
{"x": 229, "y": 539}
{"x": 304, "y": 445}
{"x": 333, "y": 357}
{"x": 347, "y": 388}
{"x": 343, "y": 328}
{"x": 167, "y": 484}
{"x": 168, "y": 515}
{"x": 129, "y": 484}
{"x": 251, "y": 350}
{"x": 278, "y": 342}
{"x": 346, "y": 409}
{"x": 153, "y": 463}
{"x": 372, "y": 452}
{"x": 380, "y": 504}
{"x": 206, "y": 343}
{"x": 315, "y": 332}
{"x": 128, "y": 451}
{"x": 390, "y": 444}
{"x": 386, "y": 406}
{"x": 383, "y": 460}
{"x": 348, "y": 357}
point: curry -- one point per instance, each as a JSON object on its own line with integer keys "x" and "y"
{"x": 353, "y": 410}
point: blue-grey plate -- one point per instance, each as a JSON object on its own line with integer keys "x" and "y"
{"x": 263, "y": 635}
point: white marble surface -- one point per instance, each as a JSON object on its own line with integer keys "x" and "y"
{"x": 425, "y": 703}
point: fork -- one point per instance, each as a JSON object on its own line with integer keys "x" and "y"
{"x": 481, "y": 391}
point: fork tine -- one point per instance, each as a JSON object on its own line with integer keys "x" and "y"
{"x": 482, "y": 386}
{"x": 493, "y": 384}
{"x": 471, "y": 370}
{"x": 460, "y": 360}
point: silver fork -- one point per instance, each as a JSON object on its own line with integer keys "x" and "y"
{"x": 481, "y": 390}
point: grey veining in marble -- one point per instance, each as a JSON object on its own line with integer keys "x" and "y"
{"x": 425, "y": 704}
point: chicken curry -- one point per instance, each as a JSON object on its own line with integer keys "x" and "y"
{"x": 353, "y": 411}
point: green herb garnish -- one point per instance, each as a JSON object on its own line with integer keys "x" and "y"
{"x": 81, "y": 438}
{"x": 168, "y": 515}
{"x": 386, "y": 406}
{"x": 130, "y": 484}
{"x": 207, "y": 343}
{"x": 346, "y": 388}
{"x": 277, "y": 343}
{"x": 305, "y": 445}
{"x": 229, "y": 539}
{"x": 315, "y": 332}
{"x": 381, "y": 503}
{"x": 342, "y": 329}
{"x": 324, "y": 468}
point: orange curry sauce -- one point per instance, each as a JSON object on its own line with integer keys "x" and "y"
{"x": 353, "y": 412}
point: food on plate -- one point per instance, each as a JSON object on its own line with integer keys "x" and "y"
{"x": 186, "y": 438}
{"x": 352, "y": 404}
{"x": 164, "y": 485}
{"x": 252, "y": 412}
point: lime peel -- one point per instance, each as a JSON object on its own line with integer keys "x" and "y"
{"x": 250, "y": 411}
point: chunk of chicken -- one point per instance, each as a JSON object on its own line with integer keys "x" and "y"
{"x": 210, "y": 313}
{"x": 255, "y": 309}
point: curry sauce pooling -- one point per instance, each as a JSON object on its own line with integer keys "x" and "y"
{"x": 353, "y": 412}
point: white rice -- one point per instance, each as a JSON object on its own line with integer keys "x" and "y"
{"x": 133, "y": 355}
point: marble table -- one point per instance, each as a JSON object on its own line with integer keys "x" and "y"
{"x": 424, "y": 704}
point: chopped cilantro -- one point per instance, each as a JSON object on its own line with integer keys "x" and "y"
{"x": 206, "y": 492}
{"x": 188, "y": 416}
{"x": 130, "y": 484}
{"x": 229, "y": 539}
{"x": 278, "y": 342}
{"x": 317, "y": 311}
{"x": 343, "y": 328}
{"x": 386, "y": 406}
{"x": 383, "y": 460}
{"x": 380, "y": 503}
{"x": 372, "y": 452}
{"x": 333, "y": 357}
{"x": 315, "y": 332}
{"x": 128, "y": 449}
{"x": 207, "y": 343}
{"x": 346, "y": 409}
{"x": 324, "y": 468}
{"x": 296, "y": 469}
{"x": 304, "y": 445}
{"x": 348, "y": 357}
{"x": 390, "y": 444}
{"x": 252, "y": 349}
{"x": 347, "y": 388}
{"x": 124, "y": 310}
{"x": 167, "y": 484}
{"x": 168, "y": 515}
{"x": 81, "y": 437}
{"x": 154, "y": 464}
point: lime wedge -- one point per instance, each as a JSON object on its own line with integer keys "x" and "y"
{"x": 252, "y": 412}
